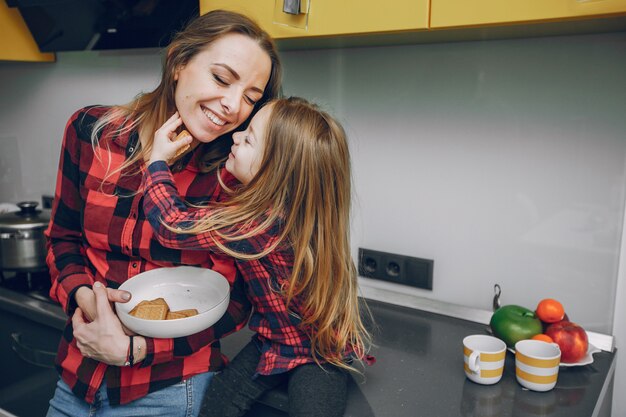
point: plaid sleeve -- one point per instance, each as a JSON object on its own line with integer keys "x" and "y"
{"x": 66, "y": 258}
{"x": 163, "y": 207}
{"x": 239, "y": 307}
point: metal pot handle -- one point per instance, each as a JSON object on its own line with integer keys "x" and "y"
{"x": 12, "y": 235}
{"x": 38, "y": 357}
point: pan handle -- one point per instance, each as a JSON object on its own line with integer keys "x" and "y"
{"x": 30, "y": 354}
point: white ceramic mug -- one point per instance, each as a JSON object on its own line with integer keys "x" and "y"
{"x": 537, "y": 364}
{"x": 483, "y": 358}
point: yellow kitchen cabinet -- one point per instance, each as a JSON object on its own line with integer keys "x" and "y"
{"x": 16, "y": 42}
{"x": 459, "y": 13}
{"x": 329, "y": 17}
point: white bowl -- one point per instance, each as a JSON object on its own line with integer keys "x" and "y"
{"x": 182, "y": 287}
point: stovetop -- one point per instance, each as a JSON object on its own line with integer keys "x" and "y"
{"x": 33, "y": 284}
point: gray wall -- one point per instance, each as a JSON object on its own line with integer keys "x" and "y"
{"x": 37, "y": 99}
{"x": 504, "y": 161}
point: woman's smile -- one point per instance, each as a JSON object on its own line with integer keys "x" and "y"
{"x": 213, "y": 117}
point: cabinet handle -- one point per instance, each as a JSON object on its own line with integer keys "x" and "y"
{"x": 291, "y": 6}
{"x": 32, "y": 355}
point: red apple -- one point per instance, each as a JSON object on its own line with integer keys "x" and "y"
{"x": 571, "y": 338}
{"x": 544, "y": 325}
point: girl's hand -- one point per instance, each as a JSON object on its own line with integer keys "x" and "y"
{"x": 104, "y": 338}
{"x": 164, "y": 147}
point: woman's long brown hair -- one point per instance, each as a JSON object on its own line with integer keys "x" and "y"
{"x": 150, "y": 110}
{"x": 304, "y": 182}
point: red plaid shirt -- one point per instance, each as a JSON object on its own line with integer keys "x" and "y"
{"x": 99, "y": 232}
{"x": 284, "y": 342}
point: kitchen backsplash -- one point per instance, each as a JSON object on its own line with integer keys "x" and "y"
{"x": 11, "y": 179}
{"x": 504, "y": 161}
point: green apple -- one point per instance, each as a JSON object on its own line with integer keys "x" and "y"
{"x": 513, "y": 323}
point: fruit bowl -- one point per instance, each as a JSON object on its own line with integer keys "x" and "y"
{"x": 586, "y": 360}
{"x": 183, "y": 287}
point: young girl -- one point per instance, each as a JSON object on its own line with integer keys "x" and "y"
{"x": 284, "y": 217}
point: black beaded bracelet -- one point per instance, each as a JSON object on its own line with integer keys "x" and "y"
{"x": 130, "y": 358}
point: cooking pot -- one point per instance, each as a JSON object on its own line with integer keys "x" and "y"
{"x": 22, "y": 242}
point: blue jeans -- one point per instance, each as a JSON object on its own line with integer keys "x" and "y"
{"x": 180, "y": 400}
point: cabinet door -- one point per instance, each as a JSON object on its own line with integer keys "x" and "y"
{"x": 16, "y": 42}
{"x": 451, "y": 13}
{"x": 329, "y": 17}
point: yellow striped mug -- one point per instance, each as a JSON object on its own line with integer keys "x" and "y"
{"x": 483, "y": 358}
{"x": 537, "y": 364}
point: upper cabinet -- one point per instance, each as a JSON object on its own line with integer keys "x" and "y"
{"x": 16, "y": 42}
{"x": 460, "y": 13}
{"x": 318, "y": 18}
{"x": 327, "y": 23}
{"x": 321, "y": 23}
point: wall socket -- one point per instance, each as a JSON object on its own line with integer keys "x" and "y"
{"x": 406, "y": 270}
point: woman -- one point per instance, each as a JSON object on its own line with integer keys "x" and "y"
{"x": 286, "y": 222}
{"x": 215, "y": 73}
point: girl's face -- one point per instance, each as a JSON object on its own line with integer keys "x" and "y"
{"x": 246, "y": 153}
{"x": 217, "y": 89}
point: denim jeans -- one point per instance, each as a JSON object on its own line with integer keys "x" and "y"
{"x": 313, "y": 391}
{"x": 180, "y": 400}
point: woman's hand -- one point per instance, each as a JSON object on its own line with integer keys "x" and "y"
{"x": 86, "y": 300}
{"x": 104, "y": 338}
{"x": 164, "y": 147}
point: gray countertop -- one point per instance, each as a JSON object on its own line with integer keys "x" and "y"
{"x": 419, "y": 371}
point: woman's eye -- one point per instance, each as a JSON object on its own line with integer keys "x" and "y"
{"x": 219, "y": 79}
{"x": 250, "y": 101}
{"x": 246, "y": 139}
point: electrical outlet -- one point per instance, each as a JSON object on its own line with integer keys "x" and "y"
{"x": 401, "y": 269}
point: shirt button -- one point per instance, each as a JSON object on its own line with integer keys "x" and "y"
{"x": 134, "y": 264}
{"x": 131, "y": 149}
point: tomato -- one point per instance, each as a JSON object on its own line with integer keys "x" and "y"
{"x": 550, "y": 311}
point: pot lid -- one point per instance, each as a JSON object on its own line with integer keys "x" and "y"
{"x": 27, "y": 218}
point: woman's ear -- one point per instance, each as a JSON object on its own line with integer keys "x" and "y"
{"x": 178, "y": 67}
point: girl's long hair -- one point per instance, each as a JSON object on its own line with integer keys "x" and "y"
{"x": 150, "y": 110}
{"x": 304, "y": 183}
